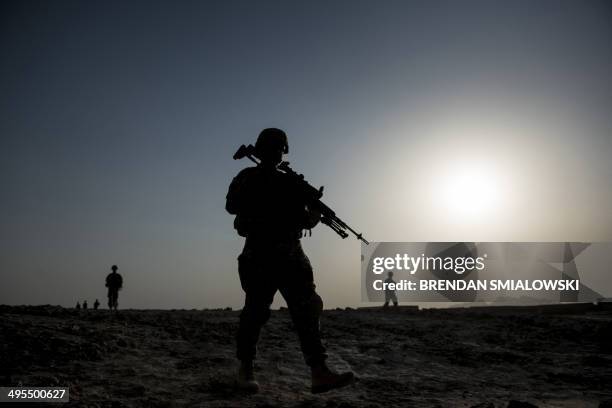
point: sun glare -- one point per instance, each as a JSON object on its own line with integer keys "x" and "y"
{"x": 468, "y": 190}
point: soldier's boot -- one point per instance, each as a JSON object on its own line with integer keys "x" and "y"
{"x": 246, "y": 379}
{"x": 324, "y": 379}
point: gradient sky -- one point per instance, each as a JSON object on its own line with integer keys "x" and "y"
{"x": 425, "y": 120}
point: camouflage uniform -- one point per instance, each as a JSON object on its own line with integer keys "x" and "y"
{"x": 271, "y": 213}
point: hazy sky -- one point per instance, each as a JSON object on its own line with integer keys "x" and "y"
{"x": 425, "y": 120}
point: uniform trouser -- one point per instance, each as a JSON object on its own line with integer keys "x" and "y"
{"x": 262, "y": 273}
{"x": 390, "y": 295}
{"x": 113, "y": 297}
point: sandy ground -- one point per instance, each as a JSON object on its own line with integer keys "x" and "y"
{"x": 463, "y": 358}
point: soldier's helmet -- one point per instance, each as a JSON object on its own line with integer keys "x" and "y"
{"x": 114, "y": 268}
{"x": 271, "y": 140}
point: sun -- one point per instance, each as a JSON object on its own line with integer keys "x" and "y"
{"x": 468, "y": 189}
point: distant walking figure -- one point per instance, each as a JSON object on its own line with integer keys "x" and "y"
{"x": 389, "y": 293}
{"x": 114, "y": 282}
{"x": 271, "y": 213}
{"x": 84, "y": 305}
{"x": 96, "y": 304}
{"x": 78, "y": 306}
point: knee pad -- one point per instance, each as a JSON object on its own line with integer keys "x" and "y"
{"x": 256, "y": 315}
{"x": 310, "y": 305}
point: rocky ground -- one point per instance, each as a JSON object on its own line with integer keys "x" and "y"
{"x": 457, "y": 358}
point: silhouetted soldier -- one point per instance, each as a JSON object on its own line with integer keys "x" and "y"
{"x": 78, "y": 306}
{"x": 271, "y": 213}
{"x": 84, "y": 305}
{"x": 96, "y": 304}
{"x": 390, "y": 293}
{"x": 114, "y": 282}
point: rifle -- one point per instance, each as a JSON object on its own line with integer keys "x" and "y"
{"x": 313, "y": 195}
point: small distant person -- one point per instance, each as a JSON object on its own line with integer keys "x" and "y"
{"x": 96, "y": 304}
{"x": 114, "y": 283}
{"x": 84, "y": 305}
{"x": 78, "y": 306}
{"x": 389, "y": 293}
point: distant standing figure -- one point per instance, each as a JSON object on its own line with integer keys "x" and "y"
{"x": 78, "y": 306}
{"x": 84, "y": 305}
{"x": 114, "y": 283}
{"x": 390, "y": 294}
{"x": 96, "y": 304}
